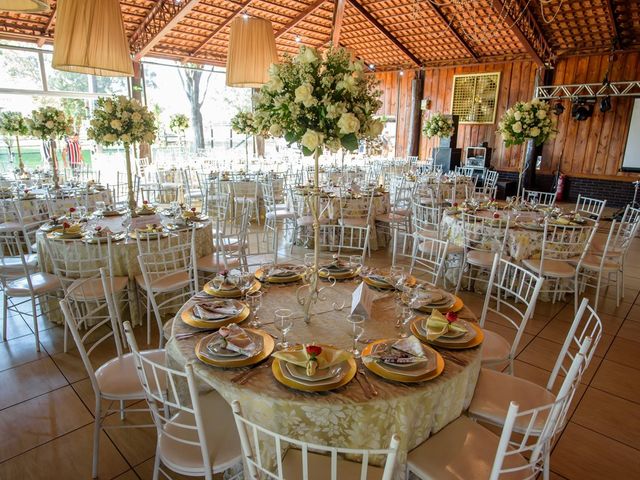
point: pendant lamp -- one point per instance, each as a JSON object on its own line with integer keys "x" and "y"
{"x": 252, "y": 50}
{"x": 90, "y": 38}
{"x": 24, "y": 6}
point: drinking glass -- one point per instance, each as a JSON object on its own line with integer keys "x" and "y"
{"x": 309, "y": 259}
{"x": 100, "y": 206}
{"x": 245, "y": 281}
{"x": 356, "y": 322}
{"x": 399, "y": 277}
{"x": 355, "y": 262}
{"x": 255, "y": 301}
{"x": 283, "y": 323}
{"x": 406, "y": 318}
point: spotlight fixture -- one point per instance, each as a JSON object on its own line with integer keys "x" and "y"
{"x": 558, "y": 108}
{"x": 401, "y": 73}
{"x": 582, "y": 108}
{"x": 245, "y": 16}
{"x": 298, "y": 39}
{"x": 372, "y": 66}
{"x": 605, "y": 104}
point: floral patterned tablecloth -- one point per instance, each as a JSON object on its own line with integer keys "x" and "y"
{"x": 344, "y": 417}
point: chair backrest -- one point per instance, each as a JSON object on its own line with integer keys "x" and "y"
{"x": 590, "y": 207}
{"x": 163, "y": 256}
{"x": 539, "y": 198}
{"x": 159, "y": 194}
{"x": 428, "y": 258}
{"x": 586, "y": 324}
{"x": 426, "y": 218}
{"x": 484, "y": 233}
{"x": 533, "y": 442}
{"x": 160, "y": 384}
{"x": 511, "y": 294}
{"x": 250, "y": 434}
{"x": 268, "y": 196}
{"x": 13, "y": 263}
{"x": 566, "y": 242}
{"x": 357, "y": 207}
{"x": 490, "y": 179}
{"x": 345, "y": 239}
{"x": 627, "y": 230}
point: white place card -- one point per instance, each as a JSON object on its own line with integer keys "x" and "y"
{"x": 362, "y": 300}
{"x": 140, "y": 222}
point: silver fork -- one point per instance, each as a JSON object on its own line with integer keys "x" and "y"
{"x": 362, "y": 372}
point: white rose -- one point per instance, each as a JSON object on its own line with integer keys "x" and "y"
{"x": 126, "y": 138}
{"x": 334, "y": 145}
{"x": 534, "y": 132}
{"x": 275, "y": 84}
{"x": 108, "y": 106}
{"x": 307, "y": 56}
{"x": 517, "y": 127}
{"x": 136, "y": 117}
{"x": 149, "y": 137}
{"x": 304, "y": 95}
{"x": 335, "y": 110}
{"x": 348, "y": 123}
{"x": 110, "y": 138}
{"x": 517, "y": 115}
{"x": 49, "y": 124}
{"x": 116, "y": 124}
{"x": 275, "y": 130}
{"x": 542, "y": 114}
{"x": 310, "y": 140}
{"x": 526, "y": 107}
{"x": 376, "y": 128}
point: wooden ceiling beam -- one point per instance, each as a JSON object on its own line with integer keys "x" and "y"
{"x": 338, "y": 16}
{"x": 162, "y": 18}
{"x": 611, "y": 13}
{"x": 440, "y": 14}
{"x": 381, "y": 28}
{"x": 299, "y": 18}
{"x": 217, "y": 30}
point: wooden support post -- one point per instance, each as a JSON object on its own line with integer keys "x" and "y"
{"x": 415, "y": 123}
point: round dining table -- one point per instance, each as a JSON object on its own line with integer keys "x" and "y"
{"x": 60, "y": 205}
{"x": 347, "y": 416}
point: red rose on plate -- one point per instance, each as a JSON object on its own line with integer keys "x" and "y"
{"x": 145, "y": 202}
{"x": 451, "y": 317}
{"x": 66, "y": 225}
{"x": 313, "y": 350}
{"x": 496, "y": 215}
{"x": 26, "y": 190}
{"x": 193, "y": 209}
{"x": 72, "y": 209}
{"x": 98, "y": 228}
{"x": 492, "y": 200}
{"x": 455, "y": 204}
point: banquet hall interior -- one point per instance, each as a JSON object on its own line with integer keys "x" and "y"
{"x": 320, "y": 239}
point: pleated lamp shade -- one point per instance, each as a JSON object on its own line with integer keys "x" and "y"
{"x": 90, "y": 38}
{"x": 24, "y": 6}
{"x": 252, "y": 50}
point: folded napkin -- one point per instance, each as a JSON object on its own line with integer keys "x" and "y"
{"x": 337, "y": 266}
{"x": 406, "y": 351}
{"x": 562, "y": 221}
{"x": 380, "y": 279}
{"x": 313, "y": 357}
{"x": 102, "y": 232}
{"x": 236, "y": 339}
{"x": 426, "y": 297}
{"x": 214, "y": 310}
{"x": 284, "y": 271}
{"x": 437, "y": 325}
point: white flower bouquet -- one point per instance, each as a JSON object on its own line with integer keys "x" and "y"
{"x": 178, "y": 123}
{"x": 319, "y": 101}
{"x": 438, "y": 125}
{"x": 243, "y": 122}
{"x": 527, "y": 120}
{"x": 121, "y": 120}
{"x": 49, "y": 123}
{"x": 13, "y": 124}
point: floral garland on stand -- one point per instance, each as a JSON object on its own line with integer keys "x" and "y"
{"x": 13, "y": 124}
{"x": 178, "y": 124}
{"x": 527, "y": 121}
{"x": 244, "y": 124}
{"x": 319, "y": 101}
{"x": 438, "y": 125}
{"x": 49, "y": 124}
{"x": 122, "y": 120}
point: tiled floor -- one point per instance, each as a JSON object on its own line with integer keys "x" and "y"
{"x": 46, "y": 401}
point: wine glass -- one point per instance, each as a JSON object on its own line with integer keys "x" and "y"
{"x": 355, "y": 262}
{"x": 283, "y": 323}
{"x": 356, "y": 321}
{"x": 255, "y": 301}
{"x": 406, "y": 318}
{"x": 309, "y": 258}
{"x": 245, "y": 282}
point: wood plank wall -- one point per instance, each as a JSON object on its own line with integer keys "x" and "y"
{"x": 594, "y": 147}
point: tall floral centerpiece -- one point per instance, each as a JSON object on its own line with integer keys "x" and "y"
{"x": 244, "y": 124}
{"x": 50, "y": 124}
{"x": 438, "y": 125}
{"x": 178, "y": 124}
{"x": 13, "y": 125}
{"x": 527, "y": 122}
{"x": 120, "y": 120}
{"x": 319, "y": 101}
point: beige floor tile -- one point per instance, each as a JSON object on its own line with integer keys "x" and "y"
{"x": 39, "y": 420}
{"x": 129, "y": 475}
{"x": 634, "y": 312}
{"x": 17, "y": 327}
{"x": 19, "y": 351}
{"x": 53, "y": 340}
{"x": 605, "y": 413}
{"x": 556, "y": 331}
{"x": 618, "y": 380}
{"x": 136, "y": 444}
{"x": 582, "y": 454}
{"x": 84, "y": 390}
{"x": 625, "y": 352}
{"x": 67, "y": 457}
{"x": 145, "y": 472}
{"x": 630, "y": 330}
{"x": 29, "y": 380}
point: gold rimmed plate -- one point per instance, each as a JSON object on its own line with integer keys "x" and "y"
{"x": 190, "y": 318}
{"x": 453, "y": 343}
{"x": 210, "y": 288}
{"x": 379, "y": 281}
{"x": 142, "y": 235}
{"x": 395, "y": 374}
{"x": 296, "y": 272}
{"x": 61, "y": 235}
{"x": 347, "y": 273}
{"x": 203, "y": 354}
{"x": 116, "y": 237}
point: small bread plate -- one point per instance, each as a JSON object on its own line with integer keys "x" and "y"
{"x": 61, "y": 235}
{"x": 221, "y": 357}
{"x": 472, "y": 338}
{"x": 431, "y": 369}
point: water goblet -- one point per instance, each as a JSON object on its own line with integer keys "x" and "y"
{"x": 255, "y": 301}
{"x": 355, "y": 262}
{"x": 309, "y": 259}
{"x": 283, "y": 324}
{"x": 356, "y": 322}
{"x": 407, "y": 317}
{"x": 245, "y": 281}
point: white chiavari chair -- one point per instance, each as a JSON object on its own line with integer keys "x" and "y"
{"x": 511, "y": 297}
{"x": 186, "y": 443}
{"x": 115, "y": 380}
{"x": 307, "y": 461}
{"x": 483, "y": 238}
{"x": 191, "y": 190}
{"x": 564, "y": 248}
{"x": 246, "y": 192}
{"x": 547, "y": 199}
{"x": 489, "y": 184}
{"x": 494, "y": 390}
{"x": 275, "y": 215}
{"x": 345, "y": 240}
{"x": 58, "y": 206}
{"x": 168, "y": 277}
{"x": 425, "y": 256}
{"x": 303, "y": 230}
{"x": 590, "y": 207}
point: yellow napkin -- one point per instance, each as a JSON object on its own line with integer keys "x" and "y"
{"x": 562, "y": 221}
{"x": 73, "y": 229}
{"x": 328, "y": 357}
{"x": 437, "y": 325}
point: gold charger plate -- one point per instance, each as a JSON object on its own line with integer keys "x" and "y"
{"x": 477, "y": 340}
{"x": 60, "y": 235}
{"x": 275, "y": 279}
{"x": 324, "y": 273}
{"x": 399, "y": 377}
{"x": 268, "y": 345}
{"x": 235, "y": 293}
{"x": 190, "y": 319}
{"x": 117, "y": 237}
{"x": 276, "y": 368}
{"x": 410, "y": 282}
{"x": 148, "y": 236}
{"x": 113, "y": 213}
{"x": 458, "y": 304}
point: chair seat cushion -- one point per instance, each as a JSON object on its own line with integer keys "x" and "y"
{"x": 42, "y": 283}
{"x": 463, "y": 450}
{"x": 213, "y": 263}
{"x": 280, "y": 214}
{"x": 13, "y": 265}
{"x": 391, "y": 218}
{"x": 92, "y": 289}
{"x": 592, "y": 262}
{"x": 495, "y": 348}
{"x": 320, "y": 467}
{"x": 551, "y": 268}
{"x": 7, "y": 227}
{"x": 495, "y": 390}
{"x": 353, "y": 222}
{"x": 118, "y": 378}
{"x": 307, "y": 220}
{"x": 164, "y": 283}
{"x": 220, "y": 432}
{"x": 480, "y": 258}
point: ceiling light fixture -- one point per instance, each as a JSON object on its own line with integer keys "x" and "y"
{"x": 24, "y": 6}
{"x": 252, "y": 50}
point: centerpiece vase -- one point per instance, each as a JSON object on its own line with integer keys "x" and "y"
{"x": 130, "y": 193}
{"x": 54, "y": 165}
{"x": 20, "y": 162}
{"x": 521, "y": 165}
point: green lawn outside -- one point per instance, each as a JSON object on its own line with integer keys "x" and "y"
{"x": 32, "y": 157}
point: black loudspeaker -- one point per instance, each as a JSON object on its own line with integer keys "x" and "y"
{"x": 451, "y": 142}
{"x": 448, "y": 158}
